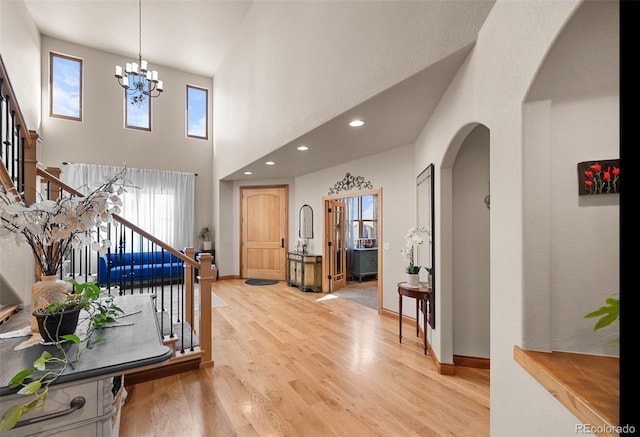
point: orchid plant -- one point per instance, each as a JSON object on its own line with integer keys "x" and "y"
{"x": 52, "y": 227}
{"x": 413, "y": 239}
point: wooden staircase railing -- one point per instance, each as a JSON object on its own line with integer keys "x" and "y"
{"x": 17, "y": 143}
{"x": 19, "y": 175}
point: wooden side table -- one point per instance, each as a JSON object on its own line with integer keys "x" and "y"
{"x": 421, "y": 295}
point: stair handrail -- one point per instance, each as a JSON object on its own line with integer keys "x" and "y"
{"x": 8, "y": 184}
{"x": 27, "y": 182}
{"x": 30, "y": 137}
{"x": 204, "y": 265}
{"x": 59, "y": 184}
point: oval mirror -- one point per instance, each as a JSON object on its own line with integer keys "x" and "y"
{"x": 305, "y": 222}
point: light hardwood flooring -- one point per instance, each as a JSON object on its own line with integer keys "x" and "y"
{"x": 290, "y": 363}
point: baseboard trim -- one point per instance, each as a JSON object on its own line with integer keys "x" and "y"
{"x": 447, "y": 369}
{"x": 171, "y": 367}
{"x": 475, "y": 362}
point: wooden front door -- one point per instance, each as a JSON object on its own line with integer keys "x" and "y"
{"x": 337, "y": 246}
{"x": 264, "y": 230}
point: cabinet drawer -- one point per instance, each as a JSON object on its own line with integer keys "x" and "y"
{"x": 59, "y": 398}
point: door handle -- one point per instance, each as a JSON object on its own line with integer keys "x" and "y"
{"x": 282, "y": 243}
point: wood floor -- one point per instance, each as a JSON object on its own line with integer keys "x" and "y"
{"x": 289, "y": 363}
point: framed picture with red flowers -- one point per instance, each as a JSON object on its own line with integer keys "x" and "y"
{"x": 599, "y": 177}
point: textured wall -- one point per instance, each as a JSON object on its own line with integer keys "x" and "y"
{"x": 296, "y": 65}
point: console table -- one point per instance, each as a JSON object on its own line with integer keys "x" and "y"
{"x": 421, "y": 295}
{"x": 89, "y": 384}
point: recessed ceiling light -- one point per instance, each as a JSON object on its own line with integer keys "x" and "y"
{"x": 270, "y": 163}
{"x": 303, "y": 148}
{"x": 248, "y": 172}
{"x": 356, "y": 123}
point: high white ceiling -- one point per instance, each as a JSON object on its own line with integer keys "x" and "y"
{"x": 189, "y": 35}
{"x": 194, "y": 36}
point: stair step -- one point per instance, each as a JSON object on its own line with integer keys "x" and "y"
{"x": 6, "y": 311}
{"x": 178, "y": 329}
{"x": 176, "y": 365}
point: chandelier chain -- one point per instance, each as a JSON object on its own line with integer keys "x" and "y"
{"x": 138, "y": 81}
{"x": 140, "y": 30}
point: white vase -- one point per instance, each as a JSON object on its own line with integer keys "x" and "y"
{"x": 207, "y": 245}
{"x": 47, "y": 290}
{"x": 413, "y": 279}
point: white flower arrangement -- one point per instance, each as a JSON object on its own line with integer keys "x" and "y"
{"x": 414, "y": 238}
{"x": 53, "y": 227}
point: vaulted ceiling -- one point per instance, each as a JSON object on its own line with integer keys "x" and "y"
{"x": 194, "y": 36}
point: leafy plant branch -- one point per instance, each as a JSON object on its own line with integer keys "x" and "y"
{"x": 101, "y": 311}
{"x": 608, "y": 314}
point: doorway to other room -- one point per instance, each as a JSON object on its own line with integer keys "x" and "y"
{"x": 351, "y": 236}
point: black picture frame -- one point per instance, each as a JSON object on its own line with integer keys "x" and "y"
{"x": 599, "y": 177}
{"x": 425, "y": 217}
{"x": 305, "y": 222}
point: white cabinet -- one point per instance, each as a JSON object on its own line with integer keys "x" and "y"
{"x": 93, "y": 418}
{"x": 127, "y": 347}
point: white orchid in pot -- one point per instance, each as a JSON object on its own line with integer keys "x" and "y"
{"x": 413, "y": 239}
{"x": 52, "y": 227}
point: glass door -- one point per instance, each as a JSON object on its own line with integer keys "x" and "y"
{"x": 337, "y": 245}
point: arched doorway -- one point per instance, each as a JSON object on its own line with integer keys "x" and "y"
{"x": 465, "y": 176}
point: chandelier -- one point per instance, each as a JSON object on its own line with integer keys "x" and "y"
{"x": 138, "y": 81}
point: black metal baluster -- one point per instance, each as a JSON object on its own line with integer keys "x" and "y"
{"x": 131, "y": 271}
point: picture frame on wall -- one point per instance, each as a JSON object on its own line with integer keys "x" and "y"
{"x": 425, "y": 209}
{"x": 599, "y": 177}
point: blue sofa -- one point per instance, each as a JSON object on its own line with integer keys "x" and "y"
{"x": 152, "y": 267}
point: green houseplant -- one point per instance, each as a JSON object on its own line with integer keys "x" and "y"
{"x": 34, "y": 382}
{"x": 85, "y": 296}
{"x": 205, "y": 236}
{"x": 608, "y": 314}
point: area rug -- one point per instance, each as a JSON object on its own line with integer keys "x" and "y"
{"x": 364, "y": 296}
{"x": 261, "y": 281}
{"x": 216, "y": 302}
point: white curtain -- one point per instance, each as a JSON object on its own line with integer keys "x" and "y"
{"x": 351, "y": 202}
{"x": 160, "y": 202}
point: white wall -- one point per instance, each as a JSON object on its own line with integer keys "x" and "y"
{"x": 471, "y": 280}
{"x": 101, "y": 138}
{"x": 572, "y": 248}
{"x": 490, "y": 88}
{"x": 296, "y": 65}
{"x": 585, "y": 232}
{"x": 20, "y": 49}
{"x": 391, "y": 171}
